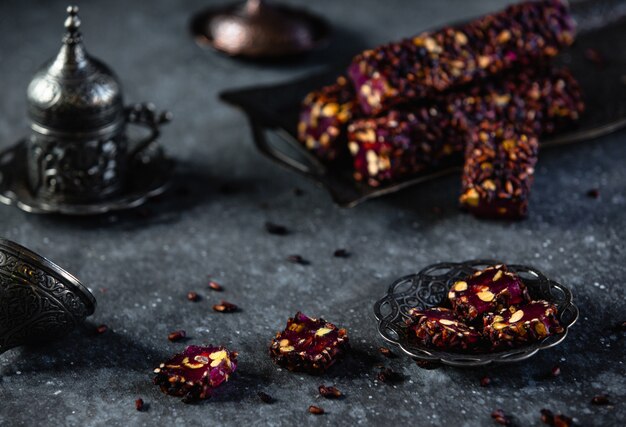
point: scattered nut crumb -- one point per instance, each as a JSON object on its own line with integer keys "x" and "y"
{"x": 193, "y": 296}
{"x": 601, "y": 399}
{"x": 225, "y": 307}
{"x": 386, "y": 375}
{"x": 386, "y": 352}
{"x": 500, "y": 417}
{"x": 316, "y": 410}
{"x": 329, "y": 392}
{"x": 177, "y": 335}
{"x": 215, "y": 286}
{"x": 561, "y": 420}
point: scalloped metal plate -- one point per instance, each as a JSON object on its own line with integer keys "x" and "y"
{"x": 429, "y": 288}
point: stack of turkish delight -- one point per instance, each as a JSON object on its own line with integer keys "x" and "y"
{"x": 483, "y": 90}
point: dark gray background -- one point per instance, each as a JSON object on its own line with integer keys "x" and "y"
{"x": 141, "y": 264}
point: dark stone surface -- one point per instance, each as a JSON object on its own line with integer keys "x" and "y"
{"x": 141, "y": 264}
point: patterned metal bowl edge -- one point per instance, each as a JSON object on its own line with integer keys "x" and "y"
{"x": 429, "y": 288}
{"x": 39, "y": 301}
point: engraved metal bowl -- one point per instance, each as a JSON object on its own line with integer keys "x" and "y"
{"x": 39, "y": 301}
{"x": 429, "y": 288}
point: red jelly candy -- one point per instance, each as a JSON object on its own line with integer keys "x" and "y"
{"x": 308, "y": 344}
{"x": 194, "y": 373}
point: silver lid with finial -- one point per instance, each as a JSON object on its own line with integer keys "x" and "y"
{"x": 74, "y": 92}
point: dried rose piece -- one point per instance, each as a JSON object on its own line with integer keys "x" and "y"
{"x": 279, "y": 230}
{"x": 308, "y": 344}
{"x": 193, "y": 296}
{"x": 517, "y": 325}
{"x": 341, "y": 253}
{"x": 594, "y": 193}
{"x": 485, "y": 291}
{"x": 101, "y": 329}
{"x": 194, "y": 373}
{"x": 485, "y": 381}
{"x": 439, "y": 327}
{"x": 139, "y": 404}
{"x": 265, "y": 398}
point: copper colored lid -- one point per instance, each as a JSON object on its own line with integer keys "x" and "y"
{"x": 257, "y": 29}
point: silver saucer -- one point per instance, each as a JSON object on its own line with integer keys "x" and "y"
{"x": 148, "y": 178}
{"x": 39, "y": 301}
{"x": 429, "y": 288}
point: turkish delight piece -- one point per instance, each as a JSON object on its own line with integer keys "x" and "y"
{"x": 412, "y": 138}
{"x": 431, "y": 62}
{"x": 402, "y": 143}
{"x": 488, "y": 290}
{"x": 439, "y": 327}
{"x": 324, "y": 116}
{"x": 309, "y": 345}
{"x": 499, "y": 170}
{"x": 194, "y": 373}
{"x": 523, "y": 324}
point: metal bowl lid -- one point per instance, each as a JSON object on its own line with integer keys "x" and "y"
{"x": 257, "y": 29}
{"x": 74, "y": 92}
{"x": 39, "y": 301}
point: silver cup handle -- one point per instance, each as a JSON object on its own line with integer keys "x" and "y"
{"x": 146, "y": 115}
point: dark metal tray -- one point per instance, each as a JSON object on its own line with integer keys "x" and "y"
{"x": 273, "y": 115}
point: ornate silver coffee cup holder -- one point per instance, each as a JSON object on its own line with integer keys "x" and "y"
{"x": 148, "y": 177}
{"x": 429, "y": 288}
{"x": 39, "y": 301}
{"x": 79, "y": 158}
